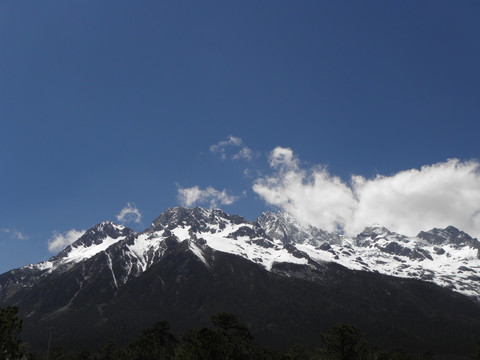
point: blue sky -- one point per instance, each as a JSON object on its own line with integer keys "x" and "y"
{"x": 248, "y": 106}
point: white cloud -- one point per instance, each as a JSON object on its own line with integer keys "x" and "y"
{"x": 283, "y": 159}
{"x": 314, "y": 197}
{"x": 129, "y": 214}
{"x": 194, "y": 195}
{"x": 231, "y": 141}
{"x": 438, "y": 195}
{"x": 61, "y": 240}
{"x": 244, "y": 153}
{"x": 222, "y": 145}
{"x": 15, "y": 234}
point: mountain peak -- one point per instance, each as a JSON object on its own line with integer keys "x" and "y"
{"x": 449, "y": 235}
{"x": 198, "y": 218}
{"x": 374, "y": 233}
{"x": 285, "y": 228}
{"x": 375, "y": 229}
{"x": 99, "y": 232}
{"x": 95, "y": 239}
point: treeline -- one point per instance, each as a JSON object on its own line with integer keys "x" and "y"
{"x": 226, "y": 339}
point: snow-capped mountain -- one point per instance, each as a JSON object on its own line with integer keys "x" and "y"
{"x": 95, "y": 240}
{"x": 192, "y": 262}
{"x": 447, "y": 257}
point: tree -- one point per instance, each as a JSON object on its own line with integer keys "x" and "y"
{"x": 237, "y": 339}
{"x": 203, "y": 344}
{"x": 10, "y": 328}
{"x": 229, "y": 340}
{"x": 156, "y": 342}
{"x": 83, "y": 354}
{"x": 108, "y": 351}
{"x": 300, "y": 352}
{"x": 344, "y": 342}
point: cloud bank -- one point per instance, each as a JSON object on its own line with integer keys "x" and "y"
{"x": 196, "y": 196}
{"x": 61, "y": 240}
{"x": 129, "y": 214}
{"x": 437, "y": 195}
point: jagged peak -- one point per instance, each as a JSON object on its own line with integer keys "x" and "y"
{"x": 282, "y": 215}
{"x": 179, "y": 213}
{"x": 377, "y": 230}
{"x": 286, "y": 228}
{"x": 372, "y": 233}
{"x": 195, "y": 217}
{"x": 104, "y": 229}
{"x": 95, "y": 236}
{"x": 107, "y": 224}
{"x": 448, "y": 235}
{"x": 376, "y": 227}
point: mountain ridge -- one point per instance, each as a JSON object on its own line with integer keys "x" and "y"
{"x": 192, "y": 262}
{"x": 447, "y": 256}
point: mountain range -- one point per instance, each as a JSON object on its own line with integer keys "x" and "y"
{"x": 286, "y": 280}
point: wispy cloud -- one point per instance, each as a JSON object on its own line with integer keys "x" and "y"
{"x": 130, "y": 214}
{"x": 15, "y": 234}
{"x": 244, "y": 153}
{"x": 59, "y": 241}
{"x": 438, "y": 195}
{"x": 194, "y": 195}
